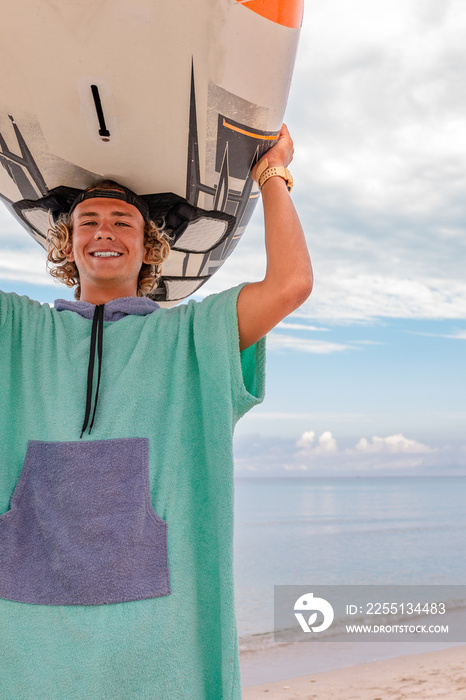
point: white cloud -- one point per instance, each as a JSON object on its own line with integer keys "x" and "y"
{"x": 380, "y": 153}
{"x": 367, "y": 342}
{"x": 384, "y": 83}
{"x": 394, "y": 454}
{"x": 306, "y": 439}
{"x": 24, "y": 265}
{"x": 459, "y": 335}
{"x": 370, "y": 296}
{"x": 326, "y": 444}
{"x": 455, "y": 335}
{"x": 279, "y": 342}
{"x": 299, "y": 327}
{"x": 393, "y": 444}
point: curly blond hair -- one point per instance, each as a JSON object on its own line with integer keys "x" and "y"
{"x": 60, "y": 238}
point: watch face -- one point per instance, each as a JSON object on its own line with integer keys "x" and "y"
{"x": 289, "y": 182}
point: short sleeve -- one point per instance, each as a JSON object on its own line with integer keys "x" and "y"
{"x": 5, "y": 307}
{"x": 241, "y": 373}
{"x": 18, "y": 310}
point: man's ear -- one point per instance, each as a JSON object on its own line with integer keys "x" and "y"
{"x": 69, "y": 253}
{"x": 146, "y": 259}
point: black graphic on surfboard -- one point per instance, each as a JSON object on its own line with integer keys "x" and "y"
{"x": 238, "y": 148}
{"x": 22, "y": 168}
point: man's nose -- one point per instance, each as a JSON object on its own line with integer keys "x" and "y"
{"x": 104, "y": 230}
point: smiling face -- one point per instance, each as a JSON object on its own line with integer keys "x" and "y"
{"x": 107, "y": 248}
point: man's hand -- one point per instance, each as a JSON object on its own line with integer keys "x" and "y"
{"x": 288, "y": 279}
{"x": 280, "y": 154}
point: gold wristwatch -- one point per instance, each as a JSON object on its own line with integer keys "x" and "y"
{"x": 264, "y": 172}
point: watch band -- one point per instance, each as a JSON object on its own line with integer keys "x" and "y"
{"x": 274, "y": 171}
{"x": 263, "y": 165}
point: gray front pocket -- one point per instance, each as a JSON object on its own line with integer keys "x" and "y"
{"x": 81, "y": 529}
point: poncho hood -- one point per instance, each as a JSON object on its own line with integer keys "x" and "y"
{"x": 114, "y": 310}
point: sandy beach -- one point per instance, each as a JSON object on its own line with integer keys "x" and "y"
{"x": 426, "y": 676}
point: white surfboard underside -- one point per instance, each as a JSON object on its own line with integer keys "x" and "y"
{"x": 191, "y": 91}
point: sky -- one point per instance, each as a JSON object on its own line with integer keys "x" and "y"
{"x": 368, "y": 376}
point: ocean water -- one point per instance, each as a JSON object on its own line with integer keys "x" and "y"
{"x": 342, "y": 531}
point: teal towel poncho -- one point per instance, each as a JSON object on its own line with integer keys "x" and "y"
{"x": 175, "y": 380}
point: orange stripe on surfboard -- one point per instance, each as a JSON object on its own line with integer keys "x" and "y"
{"x": 289, "y": 13}
{"x": 262, "y": 137}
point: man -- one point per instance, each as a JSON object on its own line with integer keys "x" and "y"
{"x": 116, "y": 576}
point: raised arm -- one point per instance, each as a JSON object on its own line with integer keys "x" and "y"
{"x": 288, "y": 278}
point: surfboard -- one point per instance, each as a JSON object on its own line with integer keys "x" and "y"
{"x": 174, "y": 96}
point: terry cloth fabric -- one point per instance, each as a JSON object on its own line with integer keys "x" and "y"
{"x": 175, "y": 378}
{"x": 114, "y": 310}
{"x": 81, "y": 529}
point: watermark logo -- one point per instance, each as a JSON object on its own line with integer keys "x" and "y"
{"x": 408, "y": 613}
{"x": 307, "y": 603}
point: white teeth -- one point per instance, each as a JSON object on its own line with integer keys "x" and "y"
{"x": 106, "y": 254}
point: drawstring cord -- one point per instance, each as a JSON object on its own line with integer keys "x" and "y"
{"x": 97, "y": 335}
